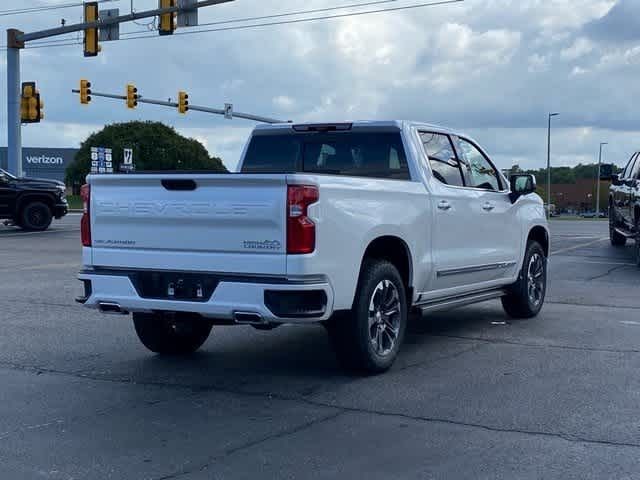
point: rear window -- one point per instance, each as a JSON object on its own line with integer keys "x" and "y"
{"x": 359, "y": 154}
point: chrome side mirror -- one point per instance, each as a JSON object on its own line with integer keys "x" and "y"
{"x": 522, "y": 184}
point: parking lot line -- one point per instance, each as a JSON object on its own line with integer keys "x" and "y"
{"x": 24, "y": 234}
{"x": 582, "y": 245}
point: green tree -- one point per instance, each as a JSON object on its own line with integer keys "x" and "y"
{"x": 155, "y": 147}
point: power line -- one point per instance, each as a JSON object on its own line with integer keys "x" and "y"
{"x": 247, "y": 19}
{"x": 269, "y": 24}
{"x": 44, "y": 8}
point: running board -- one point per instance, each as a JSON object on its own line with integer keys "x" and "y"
{"x": 460, "y": 300}
{"x": 624, "y": 233}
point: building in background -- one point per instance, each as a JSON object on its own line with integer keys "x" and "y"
{"x": 579, "y": 197}
{"x": 49, "y": 163}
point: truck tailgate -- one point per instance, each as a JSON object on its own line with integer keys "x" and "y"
{"x": 228, "y": 223}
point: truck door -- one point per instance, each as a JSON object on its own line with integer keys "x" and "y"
{"x": 7, "y": 195}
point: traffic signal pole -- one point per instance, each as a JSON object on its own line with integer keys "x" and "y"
{"x": 14, "y": 131}
{"x": 194, "y": 108}
{"x": 16, "y": 41}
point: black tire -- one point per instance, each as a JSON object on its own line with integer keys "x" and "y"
{"x": 35, "y": 217}
{"x": 361, "y": 345}
{"x": 524, "y": 299}
{"x": 617, "y": 240}
{"x": 171, "y": 334}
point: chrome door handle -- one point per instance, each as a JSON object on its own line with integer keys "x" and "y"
{"x": 487, "y": 207}
{"x": 444, "y": 205}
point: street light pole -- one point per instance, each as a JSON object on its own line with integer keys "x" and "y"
{"x": 598, "y": 180}
{"x": 549, "y": 165}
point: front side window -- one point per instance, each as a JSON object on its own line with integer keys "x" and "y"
{"x": 480, "y": 171}
{"x": 627, "y": 171}
{"x": 442, "y": 158}
{"x": 360, "y": 154}
{"x": 635, "y": 173}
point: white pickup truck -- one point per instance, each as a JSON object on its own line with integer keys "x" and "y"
{"x": 352, "y": 225}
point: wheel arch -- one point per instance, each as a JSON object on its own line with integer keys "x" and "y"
{"x": 27, "y": 198}
{"x": 540, "y": 234}
{"x": 396, "y": 251}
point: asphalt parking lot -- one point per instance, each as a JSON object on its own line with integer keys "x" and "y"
{"x": 473, "y": 395}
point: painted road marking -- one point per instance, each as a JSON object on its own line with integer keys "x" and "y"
{"x": 582, "y": 245}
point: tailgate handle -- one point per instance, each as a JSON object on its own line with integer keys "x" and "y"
{"x": 180, "y": 185}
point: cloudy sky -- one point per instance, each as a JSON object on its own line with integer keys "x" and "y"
{"x": 492, "y": 68}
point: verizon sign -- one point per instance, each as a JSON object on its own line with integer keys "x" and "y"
{"x": 44, "y": 160}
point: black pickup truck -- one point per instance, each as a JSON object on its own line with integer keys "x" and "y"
{"x": 624, "y": 206}
{"x": 31, "y": 203}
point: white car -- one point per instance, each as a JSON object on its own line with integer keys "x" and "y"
{"x": 351, "y": 225}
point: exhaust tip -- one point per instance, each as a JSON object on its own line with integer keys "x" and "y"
{"x": 248, "y": 318}
{"x": 111, "y": 308}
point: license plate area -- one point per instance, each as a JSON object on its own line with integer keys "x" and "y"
{"x": 174, "y": 286}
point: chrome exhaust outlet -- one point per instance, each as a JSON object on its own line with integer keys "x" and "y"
{"x": 111, "y": 308}
{"x": 248, "y": 318}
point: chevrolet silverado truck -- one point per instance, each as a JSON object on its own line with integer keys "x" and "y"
{"x": 31, "y": 203}
{"x": 624, "y": 206}
{"x": 350, "y": 225}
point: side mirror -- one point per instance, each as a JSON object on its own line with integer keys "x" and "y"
{"x": 522, "y": 184}
{"x": 615, "y": 179}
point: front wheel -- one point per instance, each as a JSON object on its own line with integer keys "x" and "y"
{"x": 171, "y": 334}
{"x": 36, "y": 216}
{"x": 525, "y": 298}
{"x": 367, "y": 339}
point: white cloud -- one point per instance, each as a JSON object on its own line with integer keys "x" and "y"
{"x": 285, "y": 103}
{"x": 538, "y": 63}
{"x": 582, "y": 46}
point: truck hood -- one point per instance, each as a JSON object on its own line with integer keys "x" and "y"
{"x": 37, "y": 182}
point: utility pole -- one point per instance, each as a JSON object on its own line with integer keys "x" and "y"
{"x": 16, "y": 41}
{"x": 598, "y": 180}
{"x": 549, "y": 165}
{"x": 14, "y": 130}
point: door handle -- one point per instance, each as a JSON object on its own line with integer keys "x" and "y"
{"x": 487, "y": 207}
{"x": 444, "y": 205}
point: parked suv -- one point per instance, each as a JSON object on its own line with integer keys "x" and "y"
{"x": 31, "y": 203}
{"x": 624, "y": 206}
{"x": 351, "y": 225}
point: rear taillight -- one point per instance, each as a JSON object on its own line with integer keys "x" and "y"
{"x": 301, "y": 231}
{"x": 85, "y": 222}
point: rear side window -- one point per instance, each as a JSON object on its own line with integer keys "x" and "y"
{"x": 444, "y": 163}
{"x": 359, "y": 154}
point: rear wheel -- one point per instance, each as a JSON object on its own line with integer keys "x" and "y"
{"x": 171, "y": 334}
{"x": 36, "y": 216}
{"x": 368, "y": 338}
{"x": 617, "y": 240}
{"x": 525, "y": 298}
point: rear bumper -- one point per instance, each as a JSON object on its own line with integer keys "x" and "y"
{"x": 231, "y": 296}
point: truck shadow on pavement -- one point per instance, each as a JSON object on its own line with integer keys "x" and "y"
{"x": 297, "y": 361}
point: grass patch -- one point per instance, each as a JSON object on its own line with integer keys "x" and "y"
{"x": 75, "y": 202}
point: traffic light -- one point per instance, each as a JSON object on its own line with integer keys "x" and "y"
{"x": 85, "y": 92}
{"x": 31, "y": 105}
{"x": 132, "y": 96}
{"x": 183, "y": 102}
{"x": 167, "y": 24}
{"x": 91, "y": 45}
